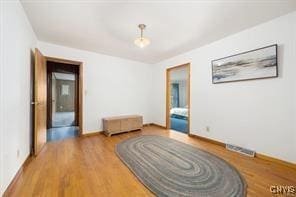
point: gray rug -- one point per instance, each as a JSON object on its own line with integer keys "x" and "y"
{"x": 171, "y": 168}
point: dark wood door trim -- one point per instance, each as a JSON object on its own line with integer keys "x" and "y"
{"x": 79, "y": 86}
{"x": 49, "y": 99}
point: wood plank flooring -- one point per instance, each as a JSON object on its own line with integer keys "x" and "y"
{"x": 88, "y": 166}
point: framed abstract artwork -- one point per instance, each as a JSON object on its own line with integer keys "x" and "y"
{"x": 255, "y": 64}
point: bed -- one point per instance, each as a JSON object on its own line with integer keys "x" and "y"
{"x": 179, "y": 119}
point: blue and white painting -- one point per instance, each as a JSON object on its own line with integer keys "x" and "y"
{"x": 255, "y": 64}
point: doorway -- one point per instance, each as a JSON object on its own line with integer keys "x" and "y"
{"x": 62, "y": 102}
{"x": 46, "y": 68}
{"x": 178, "y": 98}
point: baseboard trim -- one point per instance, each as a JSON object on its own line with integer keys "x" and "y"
{"x": 10, "y": 187}
{"x": 92, "y": 133}
{"x": 157, "y": 125}
{"x": 208, "y": 140}
{"x": 147, "y": 124}
{"x": 257, "y": 155}
{"x": 275, "y": 160}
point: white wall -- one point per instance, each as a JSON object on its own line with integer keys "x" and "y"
{"x": 294, "y": 84}
{"x": 16, "y": 42}
{"x": 113, "y": 86}
{"x": 1, "y": 100}
{"x": 258, "y": 114}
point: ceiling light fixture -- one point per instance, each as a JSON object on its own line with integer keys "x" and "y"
{"x": 142, "y": 41}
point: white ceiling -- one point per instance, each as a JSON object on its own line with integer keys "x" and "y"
{"x": 174, "y": 27}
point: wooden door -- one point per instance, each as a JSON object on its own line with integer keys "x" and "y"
{"x": 40, "y": 101}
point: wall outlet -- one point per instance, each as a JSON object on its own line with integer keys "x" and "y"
{"x": 18, "y": 153}
{"x": 207, "y": 129}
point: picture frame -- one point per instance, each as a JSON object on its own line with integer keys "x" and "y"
{"x": 259, "y": 63}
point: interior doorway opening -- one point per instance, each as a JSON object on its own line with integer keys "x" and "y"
{"x": 63, "y": 100}
{"x": 42, "y": 98}
{"x": 178, "y": 98}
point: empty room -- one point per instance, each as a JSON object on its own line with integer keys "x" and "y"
{"x": 147, "y": 98}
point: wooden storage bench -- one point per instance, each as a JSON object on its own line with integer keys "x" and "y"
{"x": 120, "y": 124}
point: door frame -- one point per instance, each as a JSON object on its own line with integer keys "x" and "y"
{"x": 67, "y": 69}
{"x": 80, "y": 87}
{"x": 168, "y": 90}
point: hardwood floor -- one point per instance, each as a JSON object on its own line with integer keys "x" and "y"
{"x": 88, "y": 166}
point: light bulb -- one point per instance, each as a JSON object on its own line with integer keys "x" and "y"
{"x": 142, "y": 42}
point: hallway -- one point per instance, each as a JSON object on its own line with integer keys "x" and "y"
{"x": 60, "y": 133}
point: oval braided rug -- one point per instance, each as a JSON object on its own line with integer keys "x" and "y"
{"x": 171, "y": 168}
